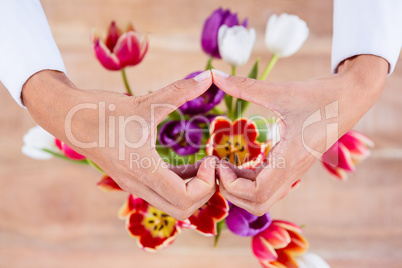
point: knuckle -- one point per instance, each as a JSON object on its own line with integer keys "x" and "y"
{"x": 244, "y": 82}
{"x": 259, "y": 211}
{"x": 182, "y": 215}
{"x": 178, "y": 85}
{"x": 261, "y": 197}
{"x": 182, "y": 204}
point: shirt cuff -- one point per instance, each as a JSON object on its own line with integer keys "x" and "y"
{"x": 27, "y": 46}
{"x": 367, "y": 27}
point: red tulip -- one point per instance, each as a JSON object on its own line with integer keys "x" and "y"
{"x": 346, "y": 153}
{"x": 120, "y": 49}
{"x": 237, "y": 142}
{"x": 67, "y": 151}
{"x": 152, "y": 228}
{"x": 279, "y": 244}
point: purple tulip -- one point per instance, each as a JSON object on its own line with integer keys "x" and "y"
{"x": 242, "y": 223}
{"x": 183, "y": 137}
{"x": 209, "y": 38}
{"x": 204, "y": 103}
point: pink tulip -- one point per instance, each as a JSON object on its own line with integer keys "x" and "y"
{"x": 346, "y": 153}
{"x": 120, "y": 49}
{"x": 67, "y": 151}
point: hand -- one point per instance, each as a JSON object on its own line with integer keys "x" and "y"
{"x": 341, "y": 100}
{"x": 83, "y": 119}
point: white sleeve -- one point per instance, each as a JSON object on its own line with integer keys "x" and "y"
{"x": 367, "y": 27}
{"x": 26, "y": 44}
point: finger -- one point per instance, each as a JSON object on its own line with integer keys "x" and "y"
{"x": 239, "y": 187}
{"x": 188, "y": 171}
{"x": 251, "y": 207}
{"x": 243, "y": 173}
{"x": 181, "y": 194}
{"x": 157, "y": 201}
{"x": 176, "y": 94}
{"x": 266, "y": 94}
{"x": 204, "y": 182}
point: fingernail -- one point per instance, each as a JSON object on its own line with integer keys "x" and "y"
{"x": 203, "y": 76}
{"x": 220, "y": 73}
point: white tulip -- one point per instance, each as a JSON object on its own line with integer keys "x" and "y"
{"x": 285, "y": 34}
{"x": 35, "y": 141}
{"x": 235, "y": 44}
{"x": 311, "y": 260}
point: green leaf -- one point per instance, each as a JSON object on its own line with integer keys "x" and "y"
{"x": 95, "y": 166}
{"x": 242, "y": 105}
{"x": 219, "y": 227}
{"x": 254, "y": 71}
{"x": 263, "y": 126}
{"x": 228, "y": 102}
{"x": 175, "y": 115}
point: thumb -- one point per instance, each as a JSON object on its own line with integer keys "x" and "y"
{"x": 265, "y": 94}
{"x": 176, "y": 94}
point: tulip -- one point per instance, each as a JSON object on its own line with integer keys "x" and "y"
{"x": 237, "y": 142}
{"x": 67, "y": 151}
{"x": 120, "y": 49}
{"x": 209, "y": 38}
{"x": 279, "y": 245}
{"x": 242, "y": 223}
{"x": 236, "y": 44}
{"x": 184, "y": 137}
{"x": 152, "y": 228}
{"x": 285, "y": 34}
{"x": 351, "y": 149}
{"x": 36, "y": 141}
{"x": 204, "y": 103}
{"x": 311, "y": 260}
{"x": 108, "y": 184}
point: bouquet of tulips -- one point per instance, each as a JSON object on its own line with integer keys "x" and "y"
{"x": 199, "y": 128}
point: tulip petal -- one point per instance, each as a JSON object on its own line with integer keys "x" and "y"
{"x": 338, "y": 172}
{"x": 263, "y": 250}
{"x": 70, "y": 153}
{"x": 112, "y": 36}
{"x": 286, "y": 259}
{"x": 152, "y": 228}
{"x": 108, "y": 184}
{"x": 144, "y": 47}
{"x": 209, "y": 37}
{"x": 288, "y": 226}
{"x": 277, "y": 236}
{"x": 298, "y": 244}
{"x": 219, "y": 127}
{"x": 205, "y": 219}
{"x": 105, "y": 57}
{"x": 285, "y": 34}
{"x": 273, "y": 264}
{"x": 128, "y": 49}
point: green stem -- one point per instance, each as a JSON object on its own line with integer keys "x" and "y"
{"x": 233, "y": 100}
{"x": 269, "y": 67}
{"x": 123, "y": 72}
{"x": 209, "y": 65}
{"x": 233, "y": 70}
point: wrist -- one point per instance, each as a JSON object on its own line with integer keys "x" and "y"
{"x": 49, "y": 95}
{"x": 366, "y": 72}
{"x": 363, "y": 78}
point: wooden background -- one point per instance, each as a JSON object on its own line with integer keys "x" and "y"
{"x": 53, "y": 215}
